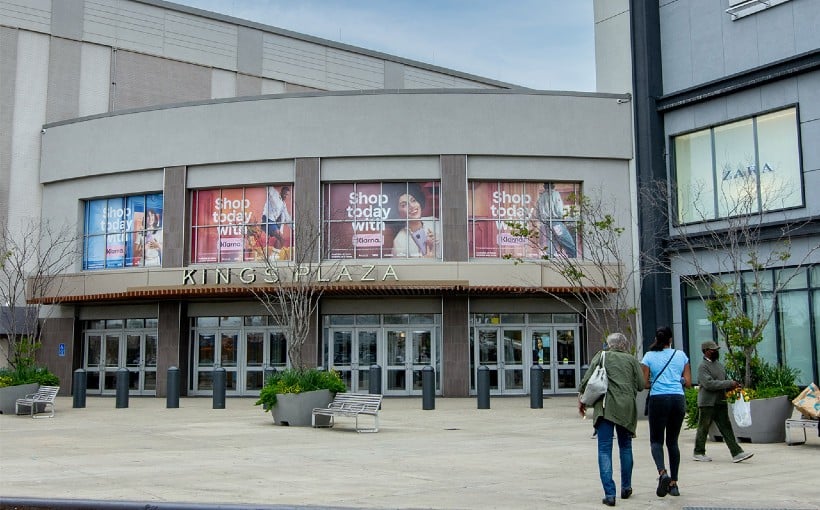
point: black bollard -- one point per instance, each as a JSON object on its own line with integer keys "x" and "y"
{"x": 375, "y": 380}
{"x": 172, "y": 396}
{"x": 483, "y": 389}
{"x": 122, "y": 388}
{"x": 219, "y": 388}
{"x": 80, "y": 387}
{"x": 536, "y": 387}
{"x": 428, "y": 388}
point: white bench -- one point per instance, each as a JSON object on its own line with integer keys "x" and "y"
{"x": 351, "y": 405}
{"x": 801, "y": 423}
{"x": 38, "y": 402}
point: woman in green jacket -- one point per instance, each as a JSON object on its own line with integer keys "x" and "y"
{"x": 616, "y": 412}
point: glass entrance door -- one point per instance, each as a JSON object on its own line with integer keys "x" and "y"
{"x": 556, "y": 349}
{"x": 107, "y": 352}
{"x": 566, "y": 375}
{"x": 215, "y": 349}
{"x": 501, "y": 351}
{"x": 409, "y": 350}
{"x": 541, "y": 340}
{"x": 352, "y": 351}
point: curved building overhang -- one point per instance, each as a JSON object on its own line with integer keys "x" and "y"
{"x": 339, "y": 125}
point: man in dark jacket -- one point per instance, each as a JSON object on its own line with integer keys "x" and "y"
{"x": 712, "y": 404}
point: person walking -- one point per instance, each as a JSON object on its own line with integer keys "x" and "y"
{"x": 712, "y": 407}
{"x": 666, "y": 371}
{"x": 616, "y": 412}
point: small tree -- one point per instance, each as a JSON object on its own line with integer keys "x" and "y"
{"x": 295, "y": 284}
{"x": 33, "y": 256}
{"x": 732, "y": 258}
{"x": 604, "y": 277}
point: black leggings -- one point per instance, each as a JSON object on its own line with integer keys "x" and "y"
{"x": 666, "y": 414}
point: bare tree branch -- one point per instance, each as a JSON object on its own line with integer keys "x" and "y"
{"x": 605, "y": 279}
{"x": 33, "y": 256}
{"x": 735, "y": 256}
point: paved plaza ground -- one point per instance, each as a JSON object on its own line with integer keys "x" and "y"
{"x": 453, "y": 457}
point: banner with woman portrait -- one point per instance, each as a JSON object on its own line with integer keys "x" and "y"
{"x": 381, "y": 220}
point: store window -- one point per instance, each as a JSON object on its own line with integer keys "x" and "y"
{"x": 242, "y": 224}
{"x": 382, "y": 220}
{"x": 787, "y": 338}
{"x": 124, "y": 231}
{"x": 545, "y": 208}
{"x": 743, "y": 167}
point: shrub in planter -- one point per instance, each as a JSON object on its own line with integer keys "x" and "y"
{"x": 19, "y": 382}
{"x": 28, "y": 375}
{"x": 292, "y": 380}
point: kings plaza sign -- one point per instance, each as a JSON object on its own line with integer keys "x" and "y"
{"x": 250, "y": 275}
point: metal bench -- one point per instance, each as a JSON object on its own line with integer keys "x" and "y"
{"x": 38, "y": 402}
{"x": 802, "y": 423}
{"x": 351, "y": 405}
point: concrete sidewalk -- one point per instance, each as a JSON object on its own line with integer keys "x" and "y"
{"x": 453, "y": 457}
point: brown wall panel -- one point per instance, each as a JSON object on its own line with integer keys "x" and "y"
{"x": 55, "y": 332}
{"x": 456, "y": 348}
{"x": 454, "y": 207}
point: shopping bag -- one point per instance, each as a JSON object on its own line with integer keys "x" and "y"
{"x": 808, "y": 402}
{"x": 596, "y": 385}
{"x": 742, "y": 411}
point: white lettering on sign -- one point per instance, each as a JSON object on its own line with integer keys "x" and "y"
{"x": 248, "y": 275}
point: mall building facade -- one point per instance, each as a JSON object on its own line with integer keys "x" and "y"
{"x": 185, "y": 149}
{"x": 726, "y": 109}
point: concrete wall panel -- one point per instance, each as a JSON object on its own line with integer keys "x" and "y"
{"x": 8, "y": 67}
{"x": 95, "y": 79}
{"x": 142, "y": 80}
{"x": 806, "y": 21}
{"x": 808, "y": 88}
{"x": 240, "y": 174}
{"x": 30, "y": 93}
{"x": 350, "y": 71}
{"x": 205, "y": 41}
{"x": 34, "y": 15}
{"x": 64, "y": 70}
{"x": 295, "y": 61}
{"x": 223, "y": 84}
{"x": 125, "y": 25}
{"x": 376, "y": 168}
{"x": 249, "y": 57}
{"x": 67, "y": 19}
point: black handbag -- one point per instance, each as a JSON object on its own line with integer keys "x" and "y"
{"x": 646, "y": 404}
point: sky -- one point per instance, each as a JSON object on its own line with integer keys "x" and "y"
{"x": 541, "y": 44}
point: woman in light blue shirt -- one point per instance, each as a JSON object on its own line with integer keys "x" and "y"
{"x": 666, "y": 371}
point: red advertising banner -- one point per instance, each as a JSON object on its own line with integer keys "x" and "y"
{"x": 242, "y": 224}
{"x": 495, "y": 207}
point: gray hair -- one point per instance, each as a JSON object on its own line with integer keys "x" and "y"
{"x": 618, "y": 342}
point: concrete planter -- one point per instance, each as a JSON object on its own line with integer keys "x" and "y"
{"x": 10, "y": 394}
{"x": 769, "y": 416}
{"x": 295, "y": 409}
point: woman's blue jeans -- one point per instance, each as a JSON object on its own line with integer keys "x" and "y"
{"x": 606, "y": 432}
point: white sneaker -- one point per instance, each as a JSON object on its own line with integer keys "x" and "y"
{"x": 702, "y": 458}
{"x": 740, "y": 457}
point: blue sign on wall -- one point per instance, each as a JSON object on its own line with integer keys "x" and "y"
{"x": 61, "y": 350}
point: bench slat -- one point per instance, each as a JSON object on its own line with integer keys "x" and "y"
{"x": 44, "y": 398}
{"x": 352, "y": 405}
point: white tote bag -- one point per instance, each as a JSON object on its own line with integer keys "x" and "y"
{"x": 597, "y": 384}
{"x": 742, "y": 412}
